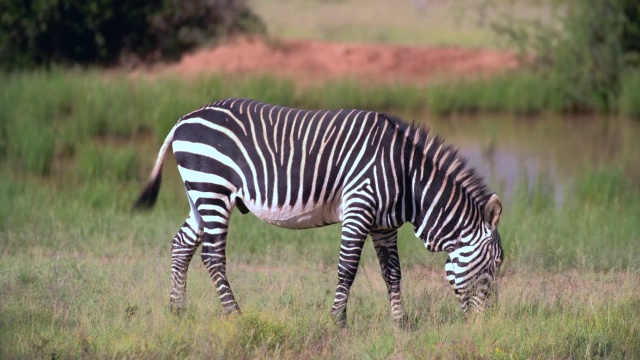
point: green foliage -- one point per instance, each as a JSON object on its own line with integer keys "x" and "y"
{"x": 581, "y": 49}
{"x": 179, "y": 26}
{"x": 631, "y": 32}
{"x": 103, "y": 31}
{"x": 587, "y": 63}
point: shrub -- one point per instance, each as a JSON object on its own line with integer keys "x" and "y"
{"x": 631, "y": 32}
{"x": 103, "y": 31}
{"x": 583, "y": 48}
{"x": 588, "y": 62}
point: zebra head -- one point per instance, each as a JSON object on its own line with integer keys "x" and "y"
{"x": 469, "y": 233}
{"x": 473, "y": 266}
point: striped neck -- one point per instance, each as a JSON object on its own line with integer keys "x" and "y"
{"x": 446, "y": 195}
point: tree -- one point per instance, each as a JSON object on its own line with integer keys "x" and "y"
{"x": 41, "y": 32}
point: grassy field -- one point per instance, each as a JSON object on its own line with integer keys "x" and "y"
{"x": 412, "y": 22}
{"x": 81, "y": 277}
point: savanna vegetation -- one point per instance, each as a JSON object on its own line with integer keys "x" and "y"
{"x": 585, "y": 52}
{"x": 580, "y": 56}
{"x": 107, "y": 32}
{"x": 83, "y": 277}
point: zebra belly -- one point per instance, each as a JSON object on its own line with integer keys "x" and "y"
{"x": 297, "y": 217}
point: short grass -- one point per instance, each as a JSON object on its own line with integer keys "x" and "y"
{"x": 84, "y": 278}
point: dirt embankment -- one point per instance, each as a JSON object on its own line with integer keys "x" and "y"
{"x": 315, "y": 61}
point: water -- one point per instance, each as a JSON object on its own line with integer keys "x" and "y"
{"x": 506, "y": 150}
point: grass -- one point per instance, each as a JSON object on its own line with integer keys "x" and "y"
{"x": 75, "y": 108}
{"x": 80, "y": 276}
{"x": 69, "y": 307}
{"x": 86, "y": 280}
{"x": 630, "y": 96}
{"x": 521, "y": 93}
{"x": 415, "y": 22}
{"x": 518, "y": 93}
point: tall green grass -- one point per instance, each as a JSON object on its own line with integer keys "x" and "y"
{"x": 517, "y": 93}
{"x": 630, "y": 95}
{"x": 520, "y": 93}
{"x": 50, "y": 117}
{"x": 592, "y": 230}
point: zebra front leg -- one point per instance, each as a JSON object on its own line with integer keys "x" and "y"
{"x": 386, "y": 245}
{"x": 183, "y": 247}
{"x": 354, "y": 234}
{"x": 215, "y": 260}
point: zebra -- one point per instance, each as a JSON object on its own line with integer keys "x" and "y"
{"x": 302, "y": 169}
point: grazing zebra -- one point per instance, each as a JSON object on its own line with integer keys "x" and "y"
{"x": 303, "y": 169}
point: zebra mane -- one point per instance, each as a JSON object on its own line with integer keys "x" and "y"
{"x": 443, "y": 157}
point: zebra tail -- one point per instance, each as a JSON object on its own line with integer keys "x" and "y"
{"x": 149, "y": 195}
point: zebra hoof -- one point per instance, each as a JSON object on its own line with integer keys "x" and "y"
{"x": 231, "y": 311}
{"x": 176, "y": 310}
{"x": 340, "y": 318}
{"x": 404, "y": 323}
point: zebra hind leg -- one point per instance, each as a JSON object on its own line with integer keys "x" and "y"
{"x": 215, "y": 260}
{"x": 386, "y": 245}
{"x": 353, "y": 239}
{"x": 183, "y": 247}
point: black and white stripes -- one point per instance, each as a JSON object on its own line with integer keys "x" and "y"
{"x": 301, "y": 169}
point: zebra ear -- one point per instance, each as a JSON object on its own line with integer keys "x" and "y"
{"x": 492, "y": 211}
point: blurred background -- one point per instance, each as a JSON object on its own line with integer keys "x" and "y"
{"x": 541, "y": 96}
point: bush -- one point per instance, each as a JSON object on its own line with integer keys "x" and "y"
{"x": 182, "y": 25}
{"x": 588, "y": 61}
{"x": 583, "y": 49}
{"x": 631, "y": 32}
{"x": 103, "y": 31}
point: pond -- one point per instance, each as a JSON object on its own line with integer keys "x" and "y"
{"x": 508, "y": 150}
